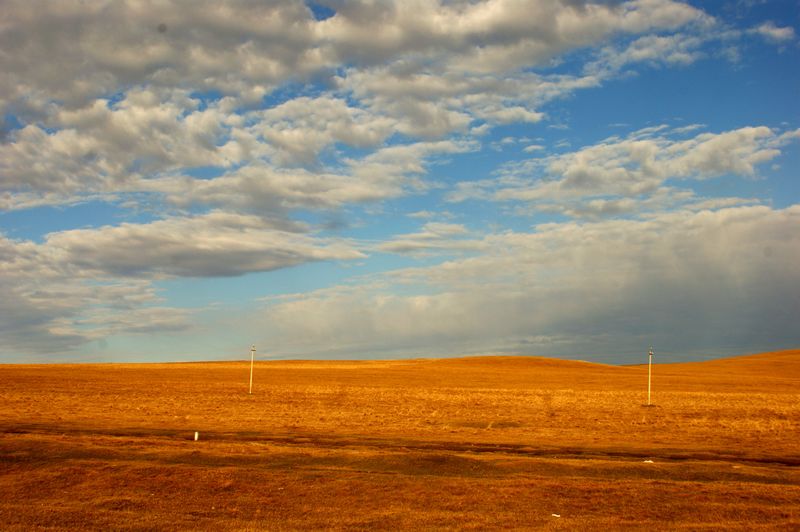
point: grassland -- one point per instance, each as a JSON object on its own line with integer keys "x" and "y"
{"x": 470, "y": 443}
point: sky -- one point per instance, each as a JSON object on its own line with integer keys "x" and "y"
{"x": 375, "y": 179}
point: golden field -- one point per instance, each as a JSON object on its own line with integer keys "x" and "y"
{"x": 468, "y": 443}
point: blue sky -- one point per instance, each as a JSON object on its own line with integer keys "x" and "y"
{"x": 382, "y": 180}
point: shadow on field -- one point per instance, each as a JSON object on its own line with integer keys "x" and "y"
{"x": 434, "y": 460}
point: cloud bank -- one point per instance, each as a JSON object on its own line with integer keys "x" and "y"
{"x": 701, "y": 280}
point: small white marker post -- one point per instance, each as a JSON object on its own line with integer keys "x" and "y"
{"x": 649, "y": 374}
{"x": 252, "y": 356}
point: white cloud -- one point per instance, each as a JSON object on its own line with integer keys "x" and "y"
{"x": 773, "y": 33}
{"x": 214, "y": 244}
{"x": 422, "y": 214}
{"x": 387, "y": 172}
{"x": 438, "y": 77}
{"x": 139, "y": 143}
{"x": 654, "y": 204}
{"x": 681, "y": 280}
{"x": 47, "y": 305}
{"x": 301, "y": 128}
{"x": 107, "y": 104}
{"x": 434, "y": 237}
{"x": 493, "y": 36}
{"x": 87, "y": 284}
{"x": 93, "y": 50}
{"x": 533, "y": 148}
{"x": 434, "y": 103}
{"x": 111, "y": 147}
{"x": 75, "y": 51}
{"x": 677, "y": 49}
{"x": 630, "y": 167}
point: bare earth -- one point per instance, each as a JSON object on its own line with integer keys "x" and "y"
{"x": 470, "y": 443}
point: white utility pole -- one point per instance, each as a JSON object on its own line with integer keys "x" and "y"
{"x": 252, "y": 356}
{"x": 649, "y": 374}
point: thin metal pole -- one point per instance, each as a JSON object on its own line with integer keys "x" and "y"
{"x": 649, "y": 375}
{"x": 252, "y": 356}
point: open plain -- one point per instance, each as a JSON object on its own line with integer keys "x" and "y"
{"x": 468, "y": 443}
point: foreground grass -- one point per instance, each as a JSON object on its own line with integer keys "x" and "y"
{"x": 470, "y": 443}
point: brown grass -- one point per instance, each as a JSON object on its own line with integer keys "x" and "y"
{"x": 472, "y": 443}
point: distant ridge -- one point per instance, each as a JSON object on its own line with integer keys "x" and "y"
{"x": 778, "y": 364}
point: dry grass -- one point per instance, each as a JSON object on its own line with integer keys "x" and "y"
{"x": 469, "y": 443}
